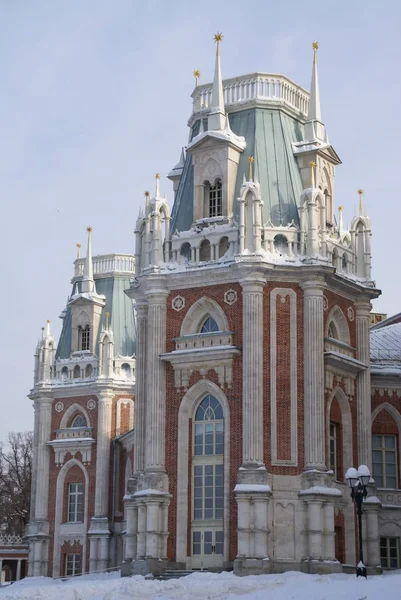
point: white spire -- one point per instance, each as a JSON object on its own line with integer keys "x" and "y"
{"x": 157, "y": 177}
{"x": 216, "y": 120}
{"x": 314, "y": 128}
{"x": 88, "y": 284}
{"x": 47, "y": 328}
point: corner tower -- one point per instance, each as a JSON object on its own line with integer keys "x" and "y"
{"x": 252, "y": 347}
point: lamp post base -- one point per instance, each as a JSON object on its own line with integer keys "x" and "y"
{"x": 361, "y": 570}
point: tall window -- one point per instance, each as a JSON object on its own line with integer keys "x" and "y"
{"x": 83, "y": 337}
{"x": 73, "y": 564}
{"x": 208, "y": 446}
{"x": 75, "y": 494}
{"x": 333, "y": 448}
{"x": 385, "y": 460}
{"x": 390, "y": 552}
{"x": 209, "y": 326}
{"x": 215, "y": 200}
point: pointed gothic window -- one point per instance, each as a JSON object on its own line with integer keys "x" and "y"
{"x": 83, "y": 337}
{"x": 209, "y": 326}
{"x": 215, "y": 200}
{"x": 333, "y": 333}
{"x": 78, "y": 421}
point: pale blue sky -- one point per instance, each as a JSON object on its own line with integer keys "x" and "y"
{"x": 95, "y": 97}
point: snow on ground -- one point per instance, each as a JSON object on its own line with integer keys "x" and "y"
{"x": 209, "y": 586}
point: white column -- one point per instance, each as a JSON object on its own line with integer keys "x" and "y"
{"x": 155, "y": 382}
{"x": 152, "y": 528}
{"x": 313, "y": 375}
{"x": 140, "y": 403}
{"x": 252, "y": 371}
{"x": 372, "y": 536}
{"x": 43, "y": 458}
{"x": 131, "y": 534}
{"x": 18, "y": 576}
{"x": 363, "y": 389}
{"x": 103, "y": 553}
{"x": 329, "y": 533}
{"x": 141, "y": 546}
{"x": 312, "y": 241}
{"x": 103, "y": 453}
{"x": 315, "y": 526}
{"x": 93, "y": 554}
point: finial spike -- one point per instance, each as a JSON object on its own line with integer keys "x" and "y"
{"x": 312, "y": 165}
{"x": 314, "y": 128}
{"x": 43, "y": 333}
{"x": 196, "y": 75}
{"x": 88, "y": 284}
{"x": 251, "y": 161}
{"x": 107, "y": 319}
{"x": 78, "y": 245}
{"x": 157, "y": 177}
{"x": 360, "y": 192}
{"x": 216, "y": 119}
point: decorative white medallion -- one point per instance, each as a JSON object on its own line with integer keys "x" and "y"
{"x": 230, "y": 297}
{"x": 178, "y": 303}
{"x": 325, "y": 303}
{"x": 59, "y": 407}
{"x": 91, "y": 404}
{"x": 350, "y": 313}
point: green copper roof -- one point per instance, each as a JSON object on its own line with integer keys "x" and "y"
{"x": 122, "y": 322}
{"x": 269, "y": 134}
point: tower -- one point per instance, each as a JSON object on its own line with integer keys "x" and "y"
{"x": 83, "y": 397}
{"x": 252, "y": 343}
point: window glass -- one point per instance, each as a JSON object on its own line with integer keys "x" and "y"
{"x": 215, "y": 200}
{"x": 390, "y": 552}
{"x": 73, "y": 564}
{"x": 75, "y": 497}
{"x": 78, "y": 421}
{"x": 385, "y": 461}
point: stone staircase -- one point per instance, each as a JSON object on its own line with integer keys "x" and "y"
{"x": 175, "y": 574}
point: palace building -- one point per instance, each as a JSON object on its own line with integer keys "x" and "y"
{"x": 207, "y": 395}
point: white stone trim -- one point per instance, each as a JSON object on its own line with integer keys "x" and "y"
{"x": 130, "y": 403}
{"x": 58, "y": 541}
{"x": 283, "y": 292}
{"x": 200, "y": 310}
{"x": 346, "y": 422}
{"x": 337, "y": 316}
{"x": 187, "y": 409}
{"x": 70, "y": 412}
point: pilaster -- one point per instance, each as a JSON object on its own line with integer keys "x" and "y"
{"x": 314, "y": 375}
{"x": 362, "y": 310}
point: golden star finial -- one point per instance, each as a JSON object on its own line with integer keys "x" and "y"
{"x": 340, "y": 209}
{"x": 251, "y": 160}
{"x": 196, "y": 75}
{"x": 218, "y": 37}
{"x": 315, "y": 45}
{"x": 157, "y": 176}
{"x": 78, "y": 245}
{"x": 147, "y": 194}
{"x": 89, "y": 229}
{"x": 48, "y": 321}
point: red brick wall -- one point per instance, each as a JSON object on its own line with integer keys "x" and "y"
{"x": 283, "y": 379}
{"x": 340, "y": 537}
{"x": 336, "y": 417}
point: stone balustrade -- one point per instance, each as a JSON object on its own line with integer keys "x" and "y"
{"x": 107, "y": 263}
{"x": 73, "y": 433}
{"x": 203, "y": 340}
{"x": 264, "y": 87}
{"x": 332, "y": 345}
{"x": 389, "y": 497}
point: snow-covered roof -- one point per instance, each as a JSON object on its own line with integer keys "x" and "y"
{"x": 385, "y": 343}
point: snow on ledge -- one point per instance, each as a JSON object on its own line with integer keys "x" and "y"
{"x": 252, "y": 487}
{"x": 319, "y": 489}
{"x": 149, "y": 492}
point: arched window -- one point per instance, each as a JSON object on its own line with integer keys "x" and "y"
{"x": 83, "y": 337}
{"x": 126, "y": 370}
{"x": 208, "y": 482}
{"x": 78, "y": 421}
{"x": 204, "y": 251}
{"x": 209, "y": 326}
{"x": 88, "y": 371}
{"x": 64, "y": 373}
{"x": 332, "y": 332}
{"x": 223, "y": 246}
{"x": 77, "y": 372}
{"x": 281, "y": 243}
{"x": 344, "y": 263}
{"x": 215, "y": 200}
{"x": 185, "y": 251}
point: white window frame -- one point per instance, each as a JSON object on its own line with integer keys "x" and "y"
{"x": 333, "y": 427}
{"x": 72, "y": 564}
{"x": 385, "y": 451}
{"x": 75, "y": 491}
